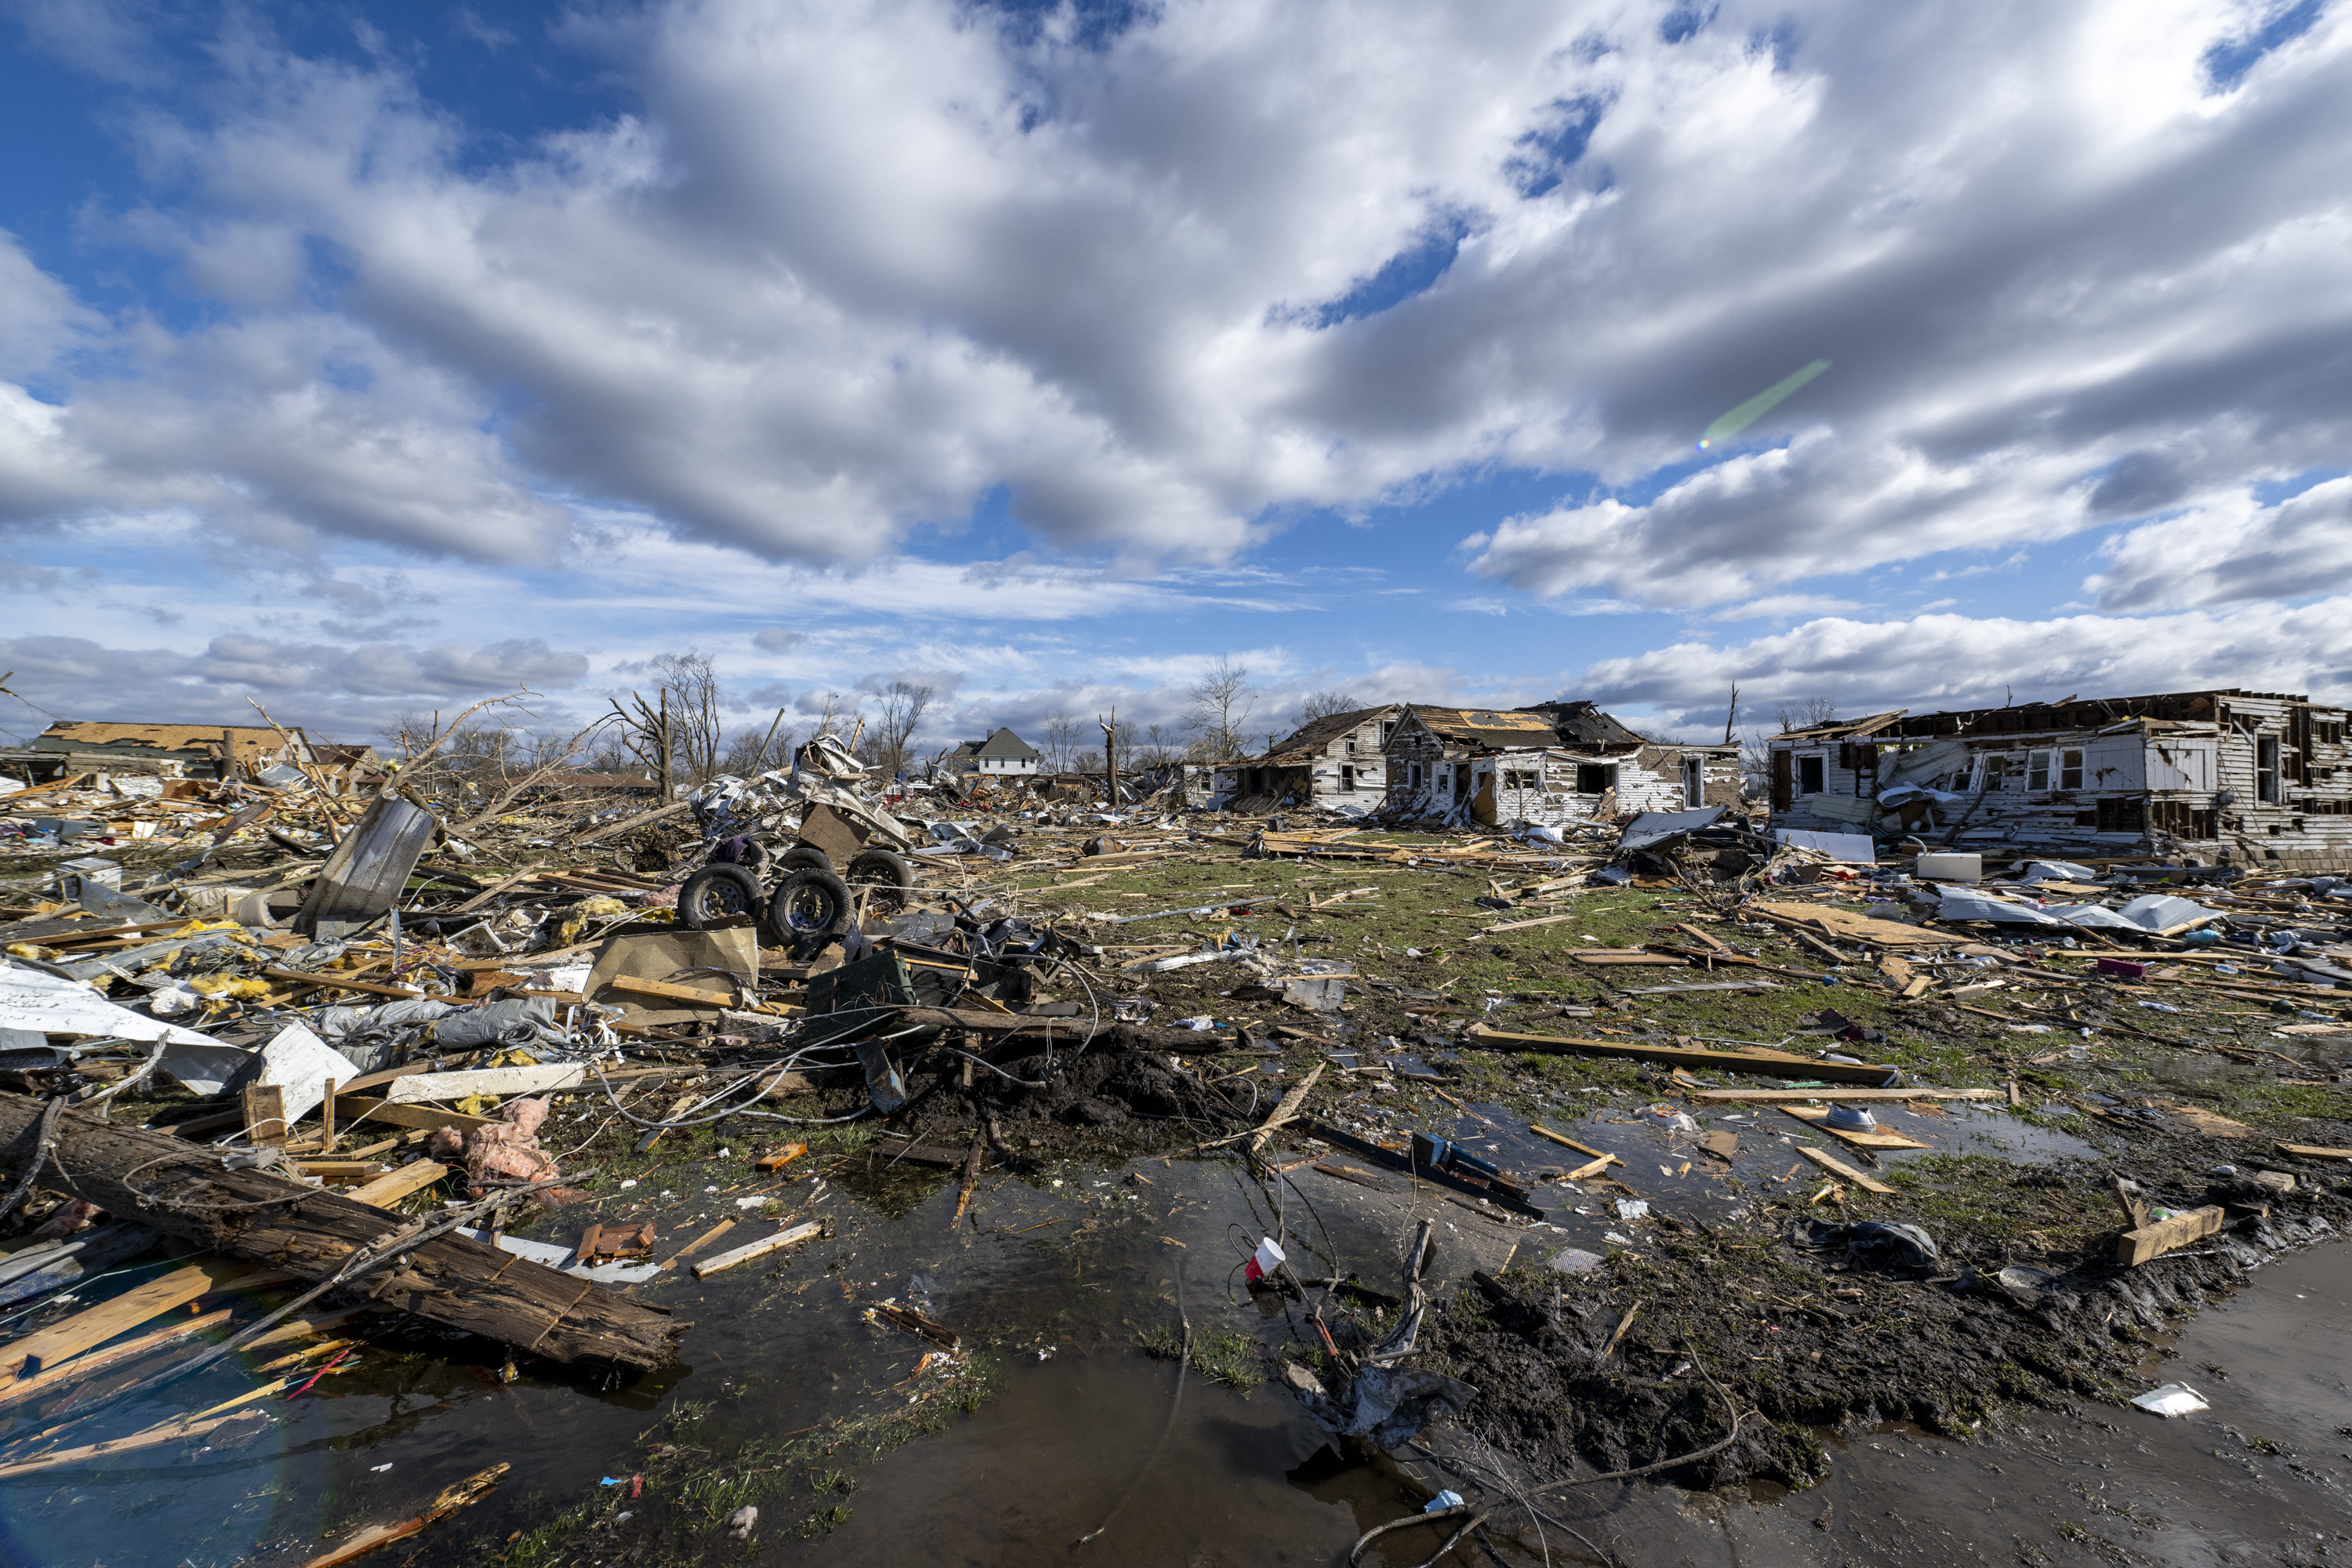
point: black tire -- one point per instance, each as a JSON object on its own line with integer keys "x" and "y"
{"x": 809, "y": 904}
{"x": 807, "y": 855}
{"x": 718, "y": 895}
{"x": 885, "y": 877}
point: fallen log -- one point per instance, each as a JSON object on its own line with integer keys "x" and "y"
{"x": 184, "y": 1191}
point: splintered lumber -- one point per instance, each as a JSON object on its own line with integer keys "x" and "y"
{"x": 94, "y": 1326}
{"x": 781, "y": 1158}
{"x": 336, "y": 983}
{"x": 626, "y": 823}
{"x": 1779, "y": 1064}
{"x": 33, "y": 1384}
{"x": 393, "y": 1186}
{"x": 2133, "y": 1247}
{"x": 1593, "y": 1168}
{"x": 153, "y": 1436}
{"x": 186, "y": 1191}
{"x": 537, "y": 1078}
{"x": 472, "y": 1489}
{"x": 1854, "y": 926}
{"x": 790, "y": 1236}
{"x": 1837, "y": 1167}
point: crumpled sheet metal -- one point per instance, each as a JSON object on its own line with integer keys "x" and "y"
{"x": 365, "y": 876}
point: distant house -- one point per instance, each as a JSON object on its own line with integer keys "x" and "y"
{"x": 71, "y": 747}
{"x": 1336, "y": 760}
{"x": 1554, "y": 763}
{"x": 1002, "y": 753}
{"x": 2228, "y": 776}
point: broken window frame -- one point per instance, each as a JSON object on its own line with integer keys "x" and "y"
{"x": 2037, "y": 770}
{"x": 1812, "y": 775}
{"x": 2270, "y": 787}
{"x": 1595, "y": 778}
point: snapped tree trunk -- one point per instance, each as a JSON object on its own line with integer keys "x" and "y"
{"x": 163, "y": 1181}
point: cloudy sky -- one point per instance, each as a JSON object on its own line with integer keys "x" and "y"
{"x": 363, "y": 357}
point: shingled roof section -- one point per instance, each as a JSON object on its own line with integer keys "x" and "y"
{"x": 253, "y": 742}
{"x": 1500, "y": 729}
{"x": 1306, "y": 743}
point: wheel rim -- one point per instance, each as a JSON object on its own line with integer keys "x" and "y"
{"x": 719, "y": 900}
{"x": 807, "y": 909}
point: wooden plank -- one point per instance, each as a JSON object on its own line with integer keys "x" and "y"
{"x": 46, "y": 1348}
{"x": 1593, "y": 1168}
{"x": 1779, "y": 1064}
{"x": 1837, "y": 1167}
{"x": 1820, "y": 1121}
{"x": 793, "y": 1236}
{"x": 265, "y": 1114}
{"x": 1565, "y": 1142}
{"x": 1523, "y": 925}
{"x": 153, "y": 1436}
{"x": 625, "y": 824}
{"x": 1854, "y": 926}
{"x": 2133, "y": 1247}
{"x": 2313, "y": 1151}
{"x": 781, "y": 1157}
{"x": 333, "y": 983}
{"x": 1619, "y": 955}
{"x": 32, "y": 1385}
{"x": 1768, "y": 1096}
{"x": 663, "y": 988}
{"x": 699, "y": 1242}
{"x": 393, "y": 1186}
{"x": 538, "y": 1078}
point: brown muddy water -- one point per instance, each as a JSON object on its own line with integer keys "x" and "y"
{"x": 1052, "y": 1288}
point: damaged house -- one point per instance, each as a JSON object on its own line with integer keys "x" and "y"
{"x": 1002, "y": 755}
{"x": 2238, "y": 776}
{"x": 71, "y": 747}
{"x": 1554, "y": 763}
{"x": 1335, "y": 761}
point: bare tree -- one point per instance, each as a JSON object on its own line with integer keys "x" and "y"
{"x": 691, "y": 684}
{"x": 1223, "y": 701}
{"x": 1323, "y": 704}
{"x": 1804, "y": 712}
{"x": 1061, "y": 738}
{"x": 903, "y": 705}
{"x": 1159, "y": 745}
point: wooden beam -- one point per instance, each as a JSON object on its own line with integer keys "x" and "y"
{"x": 1779, "y": 1064}
{"x": 426, "y": 1116}
{"x": 45, "y": 1348}
{"x": 331, "y": 982}
{"x": 2133, "y": 1247}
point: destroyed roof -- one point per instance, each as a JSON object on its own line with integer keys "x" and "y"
{"x": 1004, "y": 743}
{"x": 329, "y": 755}
{"x": 1584, "y": 724}
{"x": 1842, "y": 729}
{"x": 1306, "y": 743}
{"x": 1498, "y": 728}
{"x": 2088, "y": 713}
{"x": 252, "y": 741}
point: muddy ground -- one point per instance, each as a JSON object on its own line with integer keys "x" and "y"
{"x": 1812, "y": 1341}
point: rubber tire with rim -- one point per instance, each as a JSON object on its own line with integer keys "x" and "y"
{"x": 807, "y": 855}
{"x": 886, "y": 877}
{"x": 717, "y": 894}
{"x": 790, "y": 915}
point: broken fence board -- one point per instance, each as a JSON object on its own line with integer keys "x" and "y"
{"x": 723, "y": 1261}
{"x": 352, "y": 1112}
{"x": 2313, "y": 1151}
